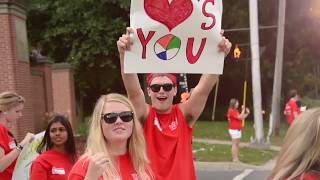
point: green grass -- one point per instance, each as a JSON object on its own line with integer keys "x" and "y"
{"x": 219, "y": 130}
{"x": 222, "y": 153}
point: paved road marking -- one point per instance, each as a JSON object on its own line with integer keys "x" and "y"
{"x": 245, "y": 173}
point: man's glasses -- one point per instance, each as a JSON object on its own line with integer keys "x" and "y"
{"x": 156, "y": 87}
{"x": 125, "y": 116}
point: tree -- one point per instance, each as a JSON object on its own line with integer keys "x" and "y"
{"x": 83, "y": 33}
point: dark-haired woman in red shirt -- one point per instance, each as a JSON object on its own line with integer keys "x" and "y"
{"x": 58, "y": 151}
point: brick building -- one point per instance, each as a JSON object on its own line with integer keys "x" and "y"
{"x": 47, "y": 87}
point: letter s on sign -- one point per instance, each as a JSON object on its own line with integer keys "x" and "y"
{"x": 205, "y": 13}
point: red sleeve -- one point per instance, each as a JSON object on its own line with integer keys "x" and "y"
{"x": 3, "y": 139}
{"x": 308, "y": 176}
{"x": 79, "y": 170}
{"x": 294, "y": 107}
{"x": 230, "y": 113}
{"x": 233, "y": 114}
{"x": 38, "y": 171}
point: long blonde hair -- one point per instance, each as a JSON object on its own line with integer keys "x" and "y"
{"x": 9, "y": 100}
{"x": 136, "y": 144}
{"x": 301, "y": 147}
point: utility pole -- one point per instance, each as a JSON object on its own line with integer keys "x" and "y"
{"x": 276, "y": 92}
{"x": 255, "y": 68}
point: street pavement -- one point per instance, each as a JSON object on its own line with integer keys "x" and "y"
{"x": 247, "y": 174}
{"x": 230, "y": 170}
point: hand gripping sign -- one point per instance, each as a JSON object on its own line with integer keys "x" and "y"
{"x": 175, "y": 36}
{"x": 26, "y": 157}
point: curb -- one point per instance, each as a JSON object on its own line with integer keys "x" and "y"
{"x": 218, "y": 166}
{"x": 242, "y": 144}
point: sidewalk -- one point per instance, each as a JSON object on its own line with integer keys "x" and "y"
{"x": 242, "y": 144}
{"x": 222, "y": 166}
{"x": 218, "y": 166}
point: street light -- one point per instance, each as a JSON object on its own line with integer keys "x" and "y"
{"x": 236, "y": 52}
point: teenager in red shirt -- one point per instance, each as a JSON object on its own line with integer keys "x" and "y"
{"x": 168, "y": 127}
{"x": 235, "y": 125}
{"x": 115, "y": 145}
{"x": 57, "y": 151}
{"x": 11, "y": 106}
{"x": 299, "y": 157}
{"x": 292, "y": 109}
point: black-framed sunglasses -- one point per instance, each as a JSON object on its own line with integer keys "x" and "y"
{"x": 166, "y": 87}
{"x": 125, "y": 116}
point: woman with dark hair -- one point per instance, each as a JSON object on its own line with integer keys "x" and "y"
{"x": 292, "y": 109}
{"x": 235, "y": 125}
{"x": 57, "y": 149}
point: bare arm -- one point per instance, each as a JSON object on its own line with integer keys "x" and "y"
{"x": 194, "y": 106}
{"x": 6, "y": 160}
{"x": 244, "y": 113}
{"x": 131, "y": 81}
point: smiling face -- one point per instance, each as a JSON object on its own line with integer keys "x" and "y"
{"x": 118, "y": 131}
{"x": 162, "y": 100}
{"x": 14, "y": 113}
{"x": 58, "y": 134}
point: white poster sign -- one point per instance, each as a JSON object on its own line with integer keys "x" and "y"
{"x": 175, "y": 36}
{"x": 25, "y": 159}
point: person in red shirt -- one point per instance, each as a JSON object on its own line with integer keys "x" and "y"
{"x": 57, "y": 151}
{"x": 167, "y": 127}
{"x": 115, "y": 145}
{"x": 235, "y": 125}
{"x": 292, "y": 110}
{"x": 299, "y": 157}
{"x": 11, "y": 106}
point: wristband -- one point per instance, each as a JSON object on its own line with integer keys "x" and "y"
{"x": 19, "y": 147}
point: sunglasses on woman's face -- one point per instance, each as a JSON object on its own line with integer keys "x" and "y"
{"x": 156, "y": 87}
{"x": 125, "y": 116}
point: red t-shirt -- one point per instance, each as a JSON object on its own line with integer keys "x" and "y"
{"x": 51, "y": 165}
{"x": 168, "y": 138}
{"x": 308, "y": 176}
{"x": 234, "y": 122}
{"x": 7, "y": 144}
{"x": 290, "y": 109}
{"x": 79, "y": 170}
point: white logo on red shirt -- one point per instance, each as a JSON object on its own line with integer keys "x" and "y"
{"x": 12, "y": 145}
{"x": 59, "y": 171}
{"x": 174, "y": 124}
{"x": 157, "y": 124}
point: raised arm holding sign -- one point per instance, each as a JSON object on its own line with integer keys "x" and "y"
{"x": 168, "y": 127}
{"x": 179, "y": 36}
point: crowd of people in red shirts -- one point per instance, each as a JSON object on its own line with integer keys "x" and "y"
{"x": 132, "y": 140}
{"x": 128, "y": 138}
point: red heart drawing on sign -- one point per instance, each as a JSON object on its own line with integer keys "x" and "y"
{"x": 169, "y": 14}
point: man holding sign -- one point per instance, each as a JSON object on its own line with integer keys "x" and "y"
{"x": 167, "y": 127}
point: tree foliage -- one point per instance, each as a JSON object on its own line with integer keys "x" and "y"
{"x": 83, "y": 33}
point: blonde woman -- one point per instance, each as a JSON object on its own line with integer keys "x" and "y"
{"x": 115, "y": 145}
{"x": 11, "y": 106}
{"x": 299, "y": 157}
